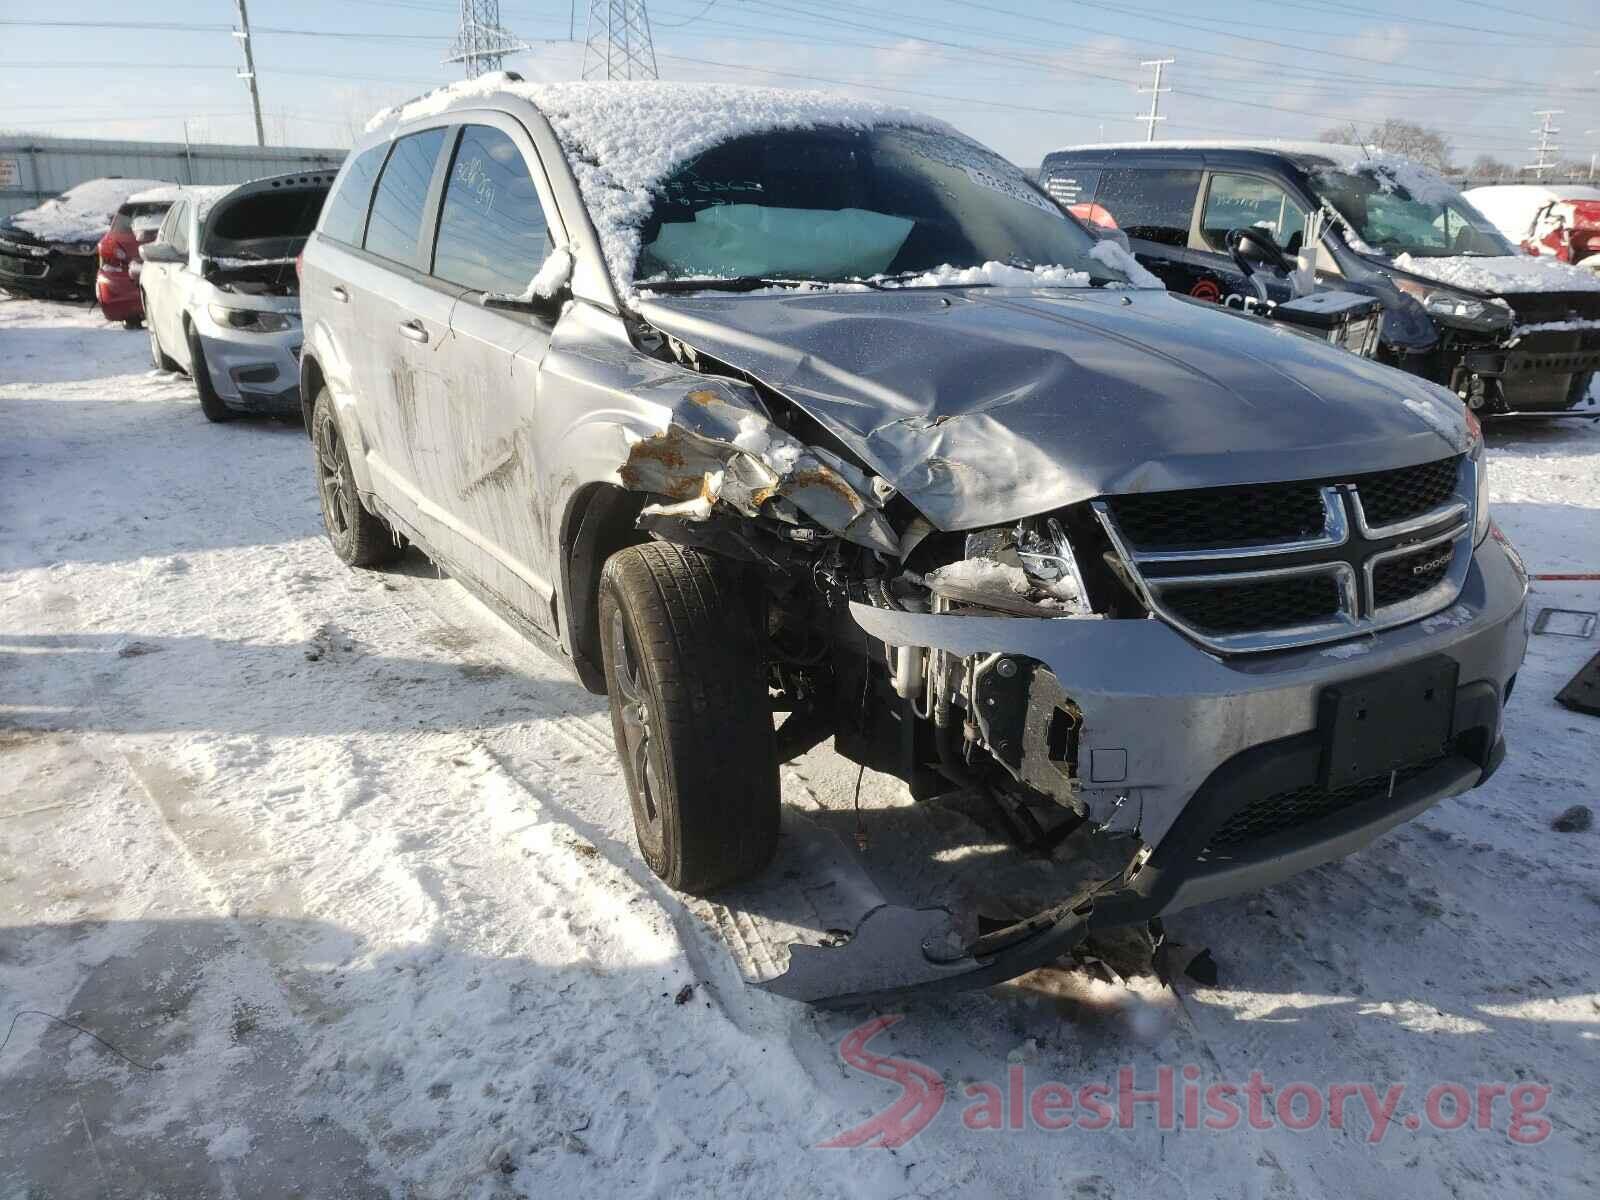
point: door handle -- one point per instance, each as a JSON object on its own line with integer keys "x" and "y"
{"x": 340, "y": 294}
{"x": 414, "y": 331}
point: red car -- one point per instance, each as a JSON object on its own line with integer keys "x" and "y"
{"x": 116, "y": 283}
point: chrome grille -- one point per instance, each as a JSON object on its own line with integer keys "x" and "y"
{"x": 1263, "y": 568}
{"x": 1266, "y": 604}
{"x": 1220, "y": 516}
{"x": 1391, "y": 496}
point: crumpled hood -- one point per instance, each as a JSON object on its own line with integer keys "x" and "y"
{"x": 984, "y": 405}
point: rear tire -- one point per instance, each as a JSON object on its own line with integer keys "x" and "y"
{"x": 132, "y": 322}
{"x": 210, "y": 403}
{"x": 691, "y": 716}
{"x": 158, "y": 356}
{"x": 359, "y": 538}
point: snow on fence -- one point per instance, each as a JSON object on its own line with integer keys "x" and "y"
{"x": 33, "y": 169}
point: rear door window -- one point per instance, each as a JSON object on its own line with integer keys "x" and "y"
{"x": 396, "y": 219}
{"x": 493, "y": 236}
{"x": 1155, "y": 205}
{"x": 1069, "y": 185}
{"x": 1243, "y": 201}
{"x": 345, "y": 214}
{"x": 176, "y": 230}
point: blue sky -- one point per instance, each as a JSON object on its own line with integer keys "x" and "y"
{"x": 1024, "y": 77}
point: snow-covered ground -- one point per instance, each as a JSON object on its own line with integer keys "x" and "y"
{"x": 351, "y": 865}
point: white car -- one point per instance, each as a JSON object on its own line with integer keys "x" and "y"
{"x": 222, "y": 294}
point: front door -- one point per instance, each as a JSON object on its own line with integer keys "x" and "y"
{"x": 481, "y": 428}
{"x": 1237, "y": 200}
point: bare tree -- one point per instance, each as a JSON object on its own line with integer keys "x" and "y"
{"x": 1427, "y": 146}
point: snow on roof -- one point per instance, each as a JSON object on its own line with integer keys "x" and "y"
{"x": 82, "y": 213}
{"x": 1521, "y": 273}
{"x": 167, "y": 193}
{"x": 624, "y": 138}
{"x": 206, "y": 197}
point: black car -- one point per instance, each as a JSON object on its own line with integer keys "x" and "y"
{"x": 50, "y": 251}
{"x": 1462, "y": 306}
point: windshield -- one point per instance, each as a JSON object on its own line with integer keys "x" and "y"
{"x": 1420, "y": 214}
{"x": 836, "y": 205}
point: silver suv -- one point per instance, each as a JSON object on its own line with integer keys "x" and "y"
{"x": 751, "y": 402}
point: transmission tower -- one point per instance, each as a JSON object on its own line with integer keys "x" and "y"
{"x": 482, "y": 42}
{"x": 1546, "y": 147}
{"x": 618, "y": 45}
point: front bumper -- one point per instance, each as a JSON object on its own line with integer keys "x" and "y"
{"x": 1196, "y": 739}
{"x": 254, "y": 372}
{"x": 52, "y": 275}
{"x": 1542, "y": 374}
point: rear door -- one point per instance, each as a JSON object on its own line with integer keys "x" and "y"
{"x": 399, "y": 317}
{"x": 160, "y": 285}
{"x": 1155, "y": 206}
{"x": 495, "y": 230}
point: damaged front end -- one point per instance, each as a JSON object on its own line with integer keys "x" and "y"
{"x": 739, "y": 472}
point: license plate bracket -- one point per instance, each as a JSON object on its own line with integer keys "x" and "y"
{"x": 1378, "y": 723}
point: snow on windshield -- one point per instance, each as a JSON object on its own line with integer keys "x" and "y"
{"x": 82, "y": 213}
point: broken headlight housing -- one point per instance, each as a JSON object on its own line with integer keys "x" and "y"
{"x": 251, "y": 320}
{"x": 1459, "y": 310}
{"x": 1028, "y": 569}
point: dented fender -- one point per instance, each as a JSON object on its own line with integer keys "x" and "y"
{"x": 719, "y": 446}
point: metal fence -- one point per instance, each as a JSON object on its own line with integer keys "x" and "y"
{"x": 33, "y": 169}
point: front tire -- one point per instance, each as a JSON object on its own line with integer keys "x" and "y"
{"x": 132, "y": 322}
{"x": 691, "y": 716}
{"x": 359, "y": 538}
{"x": 210, "y": 403}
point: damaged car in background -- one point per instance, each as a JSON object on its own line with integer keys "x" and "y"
{"x": 51, "y": 251}
{"x": 758, "y": 404}
{"x": 221, "y": 292}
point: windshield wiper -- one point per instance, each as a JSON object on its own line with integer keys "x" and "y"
{"x": 734, "y": 283}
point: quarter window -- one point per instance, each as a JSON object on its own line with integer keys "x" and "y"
{"x": 493, "y": 236}
{"x": 402, "y": 195}
{"x": 1155, "y": 205}
{"x": 345, "y": 215}
{"x": 1242, "y": 201}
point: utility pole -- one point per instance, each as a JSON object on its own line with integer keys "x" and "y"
{"x": 1155, "y": 91}
{"x": 618, "y": 44}
{"x": 1546, "y": 147}
{"x": 249, "y": 72}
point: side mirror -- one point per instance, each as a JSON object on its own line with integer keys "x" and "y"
{"x": 146, "y": 236}
{"x": 546, "y": 293}
{"x": 162, "y": 252}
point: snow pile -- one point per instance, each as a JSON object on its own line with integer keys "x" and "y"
{"x": 1395, "y": 172}
{"x": 995, "y": 274}
{"x": 983, "y": 575}
{"x": 82, "y": 213}
{"x": 1110, "y": 254}
{"x": 623, "y": 139}
{"x": 1512, "y": 273}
